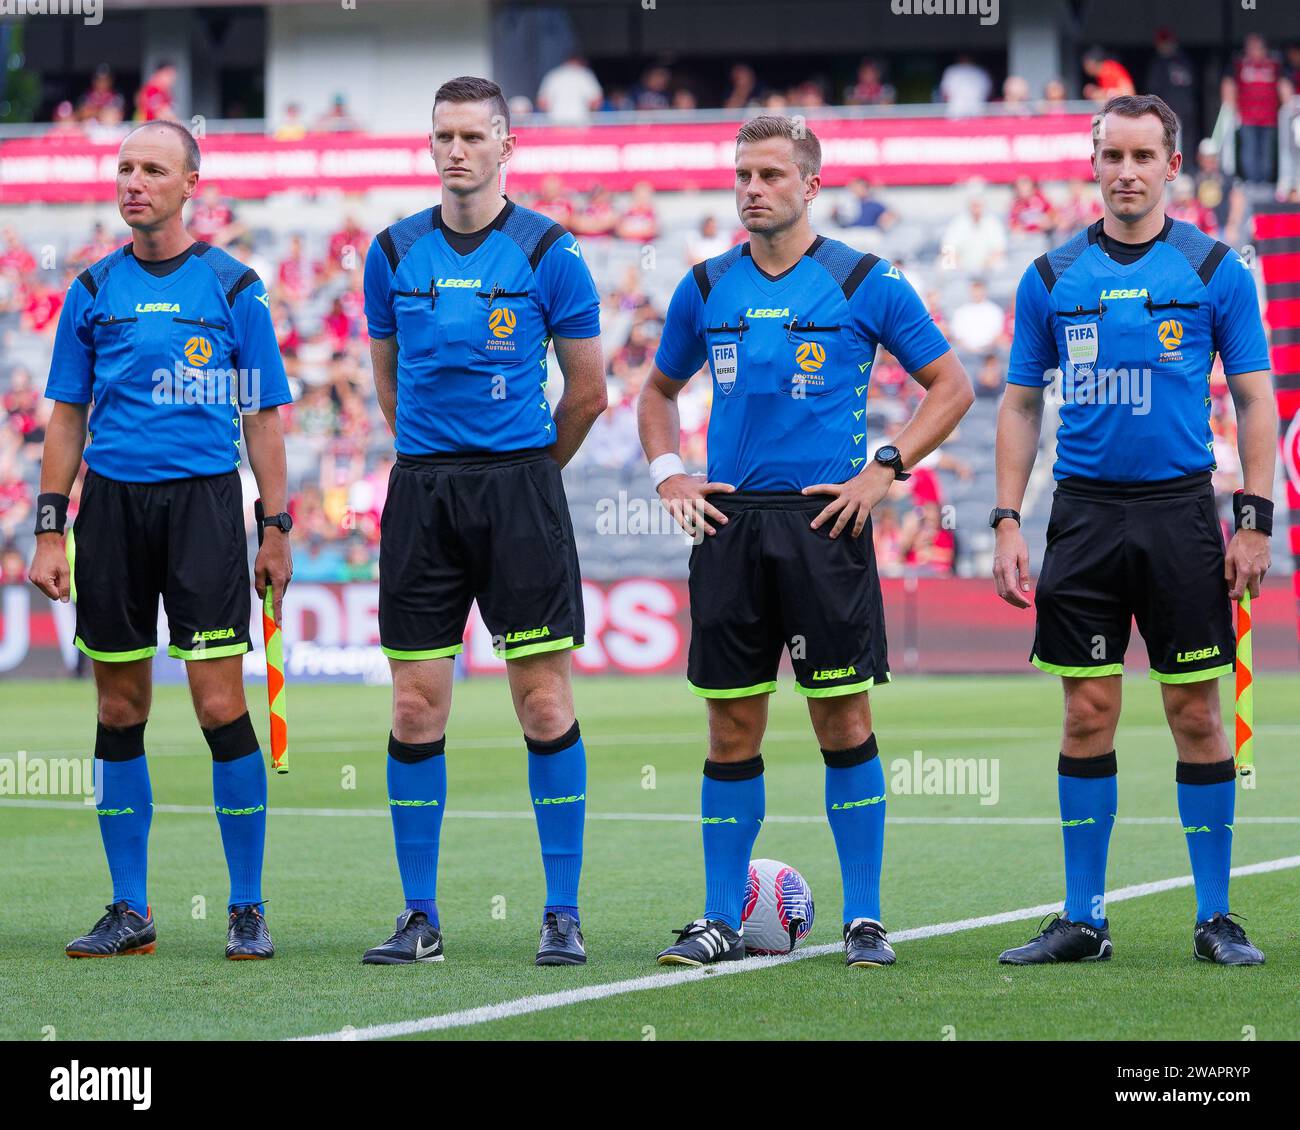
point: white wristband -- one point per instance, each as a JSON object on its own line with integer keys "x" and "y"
{"x": 665, "y": 467}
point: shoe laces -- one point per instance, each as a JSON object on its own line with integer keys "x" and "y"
{"x": 1232, "y": 928}
{"x": 698, "y": 926}
{"x": 863, "y": 926}
{"x": 1056, "y": 924}
{"x": 245, "y": 921}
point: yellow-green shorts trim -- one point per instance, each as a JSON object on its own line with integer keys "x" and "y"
{"x": 560, "y": 644}
{"x": 432, "y": 653}
{"x": 734, "y": 692}
{"x": 208, "y": 652}
{"x": 1193, "y": 676}
{"x": 115, "y": 656}
{"x": 837, "y": 690}
{"x": 1077, "y": 672}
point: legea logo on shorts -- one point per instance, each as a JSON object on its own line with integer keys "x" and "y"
{"x": 1200, "y": 653}
{"x": 834, "y": 673}
{"x": 214, "y": 634}
{"x": 530, "y": 634}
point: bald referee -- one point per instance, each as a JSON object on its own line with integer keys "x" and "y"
{"x": 163, "y": 347}
{"x": 1132, "y": 312}
{"x": 788, "y": 324}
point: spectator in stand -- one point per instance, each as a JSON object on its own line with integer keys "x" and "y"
{"x": 887, "y": 538}
{"x": 99, "y": 245}
{"x": 65, "y": 122}
{"x": 100, "y": 97}
{"x": 156, "y": 100}
{"x": 809, "y": 94}
{"x": 212, "y": 219}
{"x": 652, "y": 92}
{"x": 965, "y": 86}
{"x": 684, "y": 99}
{"x": 978, "y": 322}
{"x": 870, "y": 89}
{"x": 858, "y": 208}
{"x": 338, "y": 118}
{"x": 639, "y": 222}
{"x": 553, "y": 201}
{"x": 292, "y": 277}
{"x": 570, "y": 92}
{"x": 15, "y": 497}
{"x": 322, "y": 561}
{"x": 1015, "y": 96}
{"x": 347, "y": 246}
{"x": 617, "y": 100}
{"x": 707, "y": 242}
{"x": 359, "y": 564}
{"x": 974, "y": 241}
{"x": 1080, "y": 209}
{"x": 990, "y": 377}
{"x": 1184, "y": 205}
{"x": 1106, "y": 77}
{"x": 775, "y": 102}
{"x": 1219, "y": 193}
{"x": 291, "y": 127}
{"x": 745, "y": 89}
{"x": 42, "y": 303}
{"x": 15, "y": 256}
{"x": 25, "y": 416}
{"x": 13, "y": 565}
{"x": 597, "y": 218}
{"x": 1171, "y": 75}
{"x": 1256, "y": 87}
{"x": 1055, "y": 98}
{"x": 629, "y": 297}
{"x": 1031, "y": 211}
{"x": 108, "y": 128}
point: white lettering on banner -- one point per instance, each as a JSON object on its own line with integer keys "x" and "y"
{"x": 643, "y": 635}
{"x": 301, "y": 600}
{"x": 17, "y": 630}
{"x": 361, "y": 613}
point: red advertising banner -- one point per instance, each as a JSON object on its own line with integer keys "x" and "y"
{"x": 635, "y": 626}
{"x": 670, "y": 156}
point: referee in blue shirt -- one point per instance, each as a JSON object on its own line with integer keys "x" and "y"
{"x": 1131, "y": 313}
{"x": 788, "y": 324}
{"x": 162, "y": 348}
{"x": 461, "y": 301}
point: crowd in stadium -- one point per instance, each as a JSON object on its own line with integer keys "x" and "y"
{"x": 339, "y": 448}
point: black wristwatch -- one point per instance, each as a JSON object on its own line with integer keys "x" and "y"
{"x": 999, "y": 512}
{"x": 889, "y": 456}
{"x": 281, "y": 522}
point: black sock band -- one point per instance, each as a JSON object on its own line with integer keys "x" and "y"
{"x": 735, "y": 770}
{"x": 125, "y": 744}
{"x": 233, "y": 740}
{"x": 566, "y": 739}
{"x": 1103, "y": 766}
{"x": 1215, "y": 773}
{"x": 848, "y": 758}
{"x": 410, "y": 752}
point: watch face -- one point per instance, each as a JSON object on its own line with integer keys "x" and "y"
{"x": 886, "y": 454}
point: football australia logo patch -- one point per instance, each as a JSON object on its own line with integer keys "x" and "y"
{"x": 501, "y": 325}
{"x": 810, "y": 356}
{"x": 198, "y": 351}
{"x": 1170, "y": 333}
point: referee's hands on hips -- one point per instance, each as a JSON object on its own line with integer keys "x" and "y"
{"x": 853, "y": 499}
{"x": 273, "y": 567}
{"x": 1011, "y": 564}
{"x": 683, "y": 498}
{"x": 50, "y": 571}
{"x": 1246, "y": 561}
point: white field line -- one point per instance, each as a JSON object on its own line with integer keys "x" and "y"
{"x": 542, "y": 1002}
{"x": 636, "y": 817}
{"x": 514, "y": 743}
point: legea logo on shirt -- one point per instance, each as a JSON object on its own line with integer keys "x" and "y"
{"x": 157, "y": 307}
{"x": 725, "y": 365}
{"x": 458, "y": 284}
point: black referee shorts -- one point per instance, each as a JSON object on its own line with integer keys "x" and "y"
{"x": 766, "y": 581}
{"x": 491, "y": 527}
{"x": 1119, "y": 551}
{"x": 183, "y": 540}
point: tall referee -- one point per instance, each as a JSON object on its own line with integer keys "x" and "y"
{"x": 461, "y": 301}
{"x": 1132, "y": 312}
{"x": 172, "y": 344}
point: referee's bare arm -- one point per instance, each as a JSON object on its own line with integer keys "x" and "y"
{"x": 65, "y": 440}
{"x": 585, "y": 396}
{"x": 1020, "y": 420}
{"x": 1247, "y": 558}
{"x": 383, "y": 360}
{"x": 264, "y": 442}
{"x": 660, "y": 426}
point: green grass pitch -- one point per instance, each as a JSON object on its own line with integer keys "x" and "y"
{"x": 332, "y": 881}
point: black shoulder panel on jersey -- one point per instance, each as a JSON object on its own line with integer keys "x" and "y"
{"x": 88, "y": 281}
{"x": 385, "y": 241}
{"x": 1212, "y": 261}
{"x": 865, "y": 266}
{"x": 247, "y": 279}
{"x": 710, "y": 271}
{"x": 701, "y": 273}
{"x": 554, "y": 232}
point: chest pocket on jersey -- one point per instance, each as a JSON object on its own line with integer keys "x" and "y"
{"x": 725, "y": 344}
{"x": 417, "y": 325}
{"x": 816, "y": 354}
{"x": 201, "y": 347}
{"x": 502, "y": 323}
{"x": 115, "y": 343}
{"x": 1173, "y": 333}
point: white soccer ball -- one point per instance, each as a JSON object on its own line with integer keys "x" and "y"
{"x": 778, "y": 912}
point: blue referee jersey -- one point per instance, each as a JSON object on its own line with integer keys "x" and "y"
{"x": 791, "y": 358}
{"x": 472, "y": 328}
{"x": 169, "y": 363}
{"x": 1134, "y": 344}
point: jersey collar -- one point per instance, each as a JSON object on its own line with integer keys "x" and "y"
{"x": 762, "y": 274}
